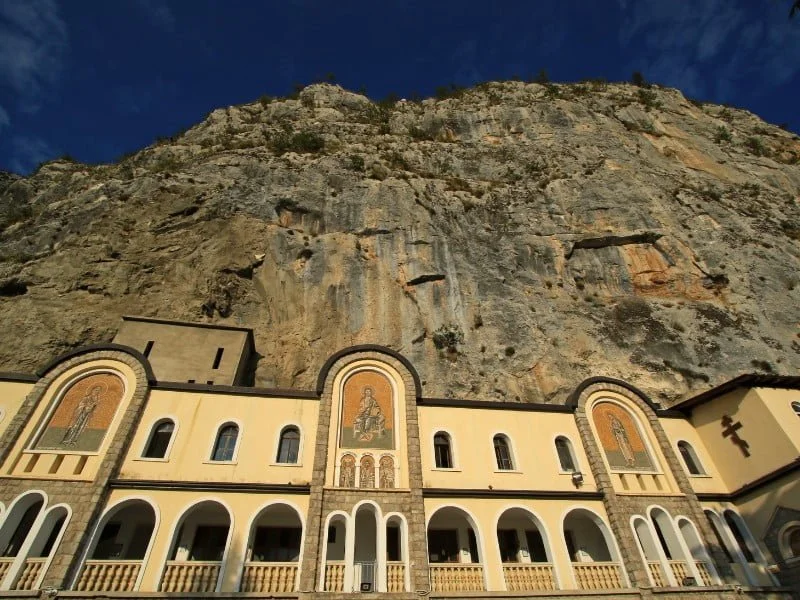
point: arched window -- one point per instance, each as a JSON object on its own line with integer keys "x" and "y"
{"x": 690, "y": 459}
{"x": 225, "y": 443}
{"x": 790, "y": 542}
{"x": 441, "y": 450}
{"x": 160, "y": 437}
{"x": 502, "y": 453}
{"x": 289, "y": 446}
{"x": 796, "y": 407}
{"x": 23, "y": 528}
{"x": 566, "y": 458}
{"x": 739, "y": 535}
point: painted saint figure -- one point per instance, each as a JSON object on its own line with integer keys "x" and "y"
{"x": 386, "y": 478}
{"x": 347, "y": 472}
{"x": 370, "y": 420}
{"x": 81, "y": 415}
{"x": 621, "y": 437}
{"x": 367, "y": 479}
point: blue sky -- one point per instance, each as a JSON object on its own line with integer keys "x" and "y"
{"x": 96, "y": 79}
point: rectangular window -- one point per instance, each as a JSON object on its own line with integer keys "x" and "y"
{"x": 509, "y": 545}
{"x": 218, "y": 358}
{"x": 209, "y": 542}
{"x": 535, "y": 545}
{"x": 393, "y": 543}
{"x": 276, "y": 544}
{"x": 443, "y": 545}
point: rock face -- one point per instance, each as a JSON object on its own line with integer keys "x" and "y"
{"x": 510, "y": 242}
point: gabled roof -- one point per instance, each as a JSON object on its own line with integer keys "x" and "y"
{"x": 749, "y": 380}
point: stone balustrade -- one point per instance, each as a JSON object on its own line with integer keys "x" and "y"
{"x": 533, "y": 576}
{"x": 680, "y": 570}
{"x": 598, "y": 575}
{"x": 457, "y": 577}
{"x": 109, "y": 576}
{"x": 334, "y": 576}
{"x": 656, "y": 573}
{"x": 30, "y": 573}
{"x": 190, "y": 576}
{"x": 395, "y": 576}
{"x": 705, "y": 573}
{"x": 269, "y": 577}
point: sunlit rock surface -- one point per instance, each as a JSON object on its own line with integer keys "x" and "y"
{"x": 510, "y": 242}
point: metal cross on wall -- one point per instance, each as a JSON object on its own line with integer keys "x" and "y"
{"x": 730, "y": 429}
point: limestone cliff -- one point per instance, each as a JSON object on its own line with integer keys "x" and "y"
{"x": 510, "y": 241}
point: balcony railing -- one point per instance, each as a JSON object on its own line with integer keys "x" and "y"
{"x": 30, "y": 573}
{"x": 269, "y": 577}
{"x": 395, "y": 576}
{"x": 109, "y": 576}
{"x": 597, "y": 575}
{"x": 457, "y": 577}
{"x": 5, "y": 563}
{"x": 680, "y": 570}
{"x": 705, "y": 573}
{"x": 334, "y": 576}
{"x": 190, "y": 576}
{"x": 656, "y": 573}
{"x": 533, "y": 576}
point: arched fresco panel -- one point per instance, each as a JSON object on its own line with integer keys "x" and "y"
{"x": 620, "y": 438}
{"x": 367, "y": 412}
{"x": 83, "y": 415}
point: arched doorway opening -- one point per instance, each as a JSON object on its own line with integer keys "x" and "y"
{"x": 705, "y": 566}
{"x": 651, "y": 552}
{"x": 43, "y": 546}
{"x": 273, "y": 551}
{"x": 524, "y": 552}
{"x": 453, "y": 551}
{"x": 117, "y": 552}
{"x": 16, "y": 528}
{"x": 365, "y": 549}
{"x": 397, "y": 574}
{"x": 334, "y": 551}
{"x": 198, "y": 550}
{"x": 680, "y": 570}
{"x": 595, "y": 563}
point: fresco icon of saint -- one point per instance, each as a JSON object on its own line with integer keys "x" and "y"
{"x": 367, "y": 412}
{"x": 83, "y": 415}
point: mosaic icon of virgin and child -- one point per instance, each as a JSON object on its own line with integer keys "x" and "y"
{"x": 83, "y": 415}
{"x": 367, "y": 426}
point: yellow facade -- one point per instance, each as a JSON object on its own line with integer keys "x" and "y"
{"x": 365, "y": 485}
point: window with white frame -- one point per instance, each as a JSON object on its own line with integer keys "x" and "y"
{"x": 225, "y": 444}
{"x": 502, "y": 453}
{"x": 160, "y": 437}
{"x": 566, "y": 457}
{"x": 289, "y": 446}
{"x": 442, "y": 451}
{"x": 690, "y": 459}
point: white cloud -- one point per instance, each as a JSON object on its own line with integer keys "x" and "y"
{"x": 159, "y": 13}
{"x": 711, "y": 48}
{"x": 28, "y": 152}
{"x": 33, "y": 42}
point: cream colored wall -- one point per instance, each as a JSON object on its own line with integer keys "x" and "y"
{"x": 532, "y": 436}
{"x": 682, "y": 430}
{"x": 12, "y": 395}
{"x": 23, "y": 461}
{"x": 758, "y": 507}
{"x": 778, "y": 402}
{"x": 171, "y": 505}
{"x": 770, "y": 445}
{"x": 486, "y": 512}
{"x": 198, "y": 417}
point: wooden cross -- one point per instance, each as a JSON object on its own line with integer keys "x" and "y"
{"x": 730, "y": 430}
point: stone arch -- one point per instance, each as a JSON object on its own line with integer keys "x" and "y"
{"x": 134, "y": 512}
{"x": 267, "y": 543}
{"x": 459, "y": 546}
{"x": 537, "y": 544}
